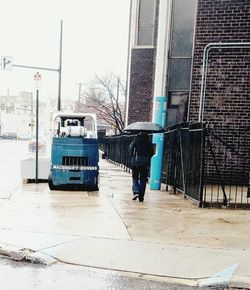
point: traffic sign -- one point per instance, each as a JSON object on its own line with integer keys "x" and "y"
{"x": 6, "y": 62}
{"x": 37, "y": 79}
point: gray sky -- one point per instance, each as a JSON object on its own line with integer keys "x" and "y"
{"x": 94, "y": 42}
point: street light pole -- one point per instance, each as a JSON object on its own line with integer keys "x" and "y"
{"x": 60, "y": 71}
{"x": 37, "y": 125}
{"x": 37, "y": 79}
{"x": 31, "y": 112}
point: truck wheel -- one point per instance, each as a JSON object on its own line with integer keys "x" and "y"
{"x": 95, "y": 187}
{"x": 51, "y": 185}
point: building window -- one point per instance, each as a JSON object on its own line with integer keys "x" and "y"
{"x": 177, "y": 107}
{"x": 180, "y": 59}
{"x": 146, "y": 22}
{"x": 179, "y": 74}
{"x": 183, "y": 19}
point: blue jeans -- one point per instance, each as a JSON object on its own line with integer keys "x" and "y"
{"x": 139, "y": 175}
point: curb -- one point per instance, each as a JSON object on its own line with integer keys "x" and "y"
{"x": 239, "y": 282}
{"x": 27, "y": 255}
{"x": 22, "y": 254}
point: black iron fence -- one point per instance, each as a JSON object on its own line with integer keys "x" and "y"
{"x": 116, "y": 149}
{"x": 227, "y": 166}
{"x": 207, "y": 164}
{"x": 183, "y": 159}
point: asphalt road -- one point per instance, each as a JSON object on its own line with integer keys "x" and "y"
{"x": 11, "y": 154}
{"x": 25, "y": 276}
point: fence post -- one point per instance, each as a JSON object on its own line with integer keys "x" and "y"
{"x": 203, "y": 150}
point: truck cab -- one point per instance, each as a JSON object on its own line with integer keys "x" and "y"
{"x": 74, "y": 152}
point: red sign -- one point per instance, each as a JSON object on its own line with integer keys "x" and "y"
{"x": 37, "y": 77}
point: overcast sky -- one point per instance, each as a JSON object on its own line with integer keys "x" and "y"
{"x": 95, "y": 36}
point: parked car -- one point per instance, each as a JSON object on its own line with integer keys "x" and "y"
{"x": 41, "y": 145}
{"x": 9, "y": 136}
{"x": 24, "y": 137}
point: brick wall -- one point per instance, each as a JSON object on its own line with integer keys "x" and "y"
{"x": 142, "y": 79}
{"x": 227, "y": 106}
{"x": 228, "y": 82}
{"x": 141, "y": 85}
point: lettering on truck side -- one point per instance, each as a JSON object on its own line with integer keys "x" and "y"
{"x": 72, "y": 167}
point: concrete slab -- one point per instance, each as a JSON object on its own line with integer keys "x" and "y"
{"x": 151, "y": 258}
{"x": 65, "y": 213}
{"x": 33, "y": 240}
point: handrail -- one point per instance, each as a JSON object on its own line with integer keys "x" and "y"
{"x": 207, "y": 49}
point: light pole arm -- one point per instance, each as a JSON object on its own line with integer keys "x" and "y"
{"x": 36, "y": 67}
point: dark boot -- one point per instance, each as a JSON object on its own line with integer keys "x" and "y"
{"x": 141, "y": 197}
{"x": 136, "y": 195}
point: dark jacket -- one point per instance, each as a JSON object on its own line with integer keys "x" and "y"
{"x": 140, "y": 151}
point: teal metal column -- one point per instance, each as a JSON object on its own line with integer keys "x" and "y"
{"x": 158, "y": 139}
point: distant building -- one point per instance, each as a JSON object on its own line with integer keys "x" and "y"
{"x": 17, "y": 114}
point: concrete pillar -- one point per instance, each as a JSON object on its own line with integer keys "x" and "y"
{"x": 158, "y": 140}
{"x": 160, "y": 98}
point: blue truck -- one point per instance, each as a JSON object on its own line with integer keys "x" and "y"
{"x": 74, "y": 152}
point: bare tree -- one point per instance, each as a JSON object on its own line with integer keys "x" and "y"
{"x": 105, "y": 96}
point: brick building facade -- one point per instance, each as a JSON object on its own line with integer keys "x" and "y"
{"x": 142, "y": 68}
{"x": 228, "y": 79}
{"x": 170, "y": 63}
{"x": 192, "y": 28}
{"x": 227, "y": 94}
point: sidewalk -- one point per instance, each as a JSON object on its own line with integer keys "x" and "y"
{"x": 164, "y": 236}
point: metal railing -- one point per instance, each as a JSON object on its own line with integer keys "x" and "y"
{"x": 115, "y": 148}
{"x": 208, "y": 164}
{"x": 183, "y": 159}
{"x": 227, "y": 166}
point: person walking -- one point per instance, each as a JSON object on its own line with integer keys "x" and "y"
{"x": 140, "y": 151}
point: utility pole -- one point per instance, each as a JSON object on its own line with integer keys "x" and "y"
{"x": 79, "y": 96}
{"x": 37, "y": 125}
{"x": 37, "y": 79}
{"x": 31, "y": 113}
{"x": 60, "y": 70}
{"x": 117, "y": 100}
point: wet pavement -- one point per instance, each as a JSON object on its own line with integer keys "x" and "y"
{"x": 166, "y": 236}
{"x": 25, "y": 276}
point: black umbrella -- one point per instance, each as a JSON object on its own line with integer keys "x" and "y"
{"x": 147, "y": 127}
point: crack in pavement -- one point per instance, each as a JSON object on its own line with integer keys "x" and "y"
{"x": 120, "y": 218}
